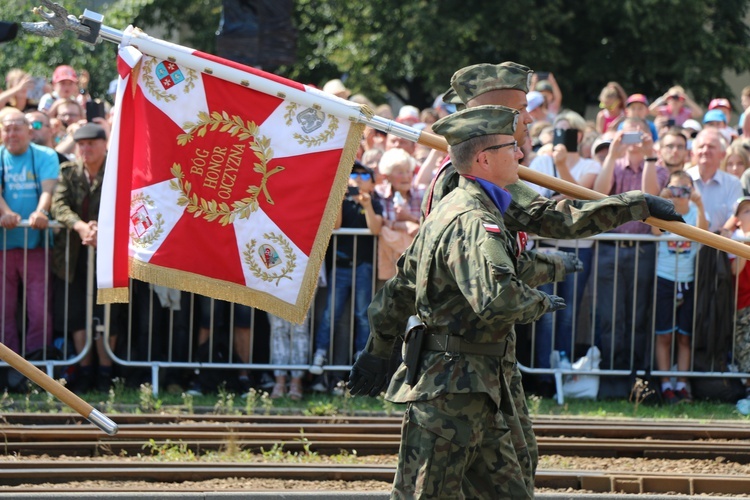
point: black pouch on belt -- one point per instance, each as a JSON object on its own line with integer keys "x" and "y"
{"x": 413, "y": 339}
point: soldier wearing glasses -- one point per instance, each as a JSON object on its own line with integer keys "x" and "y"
{"x": 456, "y": 441}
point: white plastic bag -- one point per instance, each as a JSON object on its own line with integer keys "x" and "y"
{"x": 584, "y": 386}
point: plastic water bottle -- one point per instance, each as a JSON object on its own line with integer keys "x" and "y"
{"x": 398, "y": 199}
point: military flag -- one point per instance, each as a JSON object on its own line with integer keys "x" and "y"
{"x": 221, "y": 179}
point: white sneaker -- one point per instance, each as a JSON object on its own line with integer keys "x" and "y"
{"x": 318, "y": 361}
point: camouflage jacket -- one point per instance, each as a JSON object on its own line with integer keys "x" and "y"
{"x": 467, "y": 284}
{"x": 67, "y": 206}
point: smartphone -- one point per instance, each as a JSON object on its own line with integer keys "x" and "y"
{"x": 567, "y": 137}
{"x": 631, "y": 137}
{"x": 94, "y": 109}
{"x": 352, "y": 191}
{"x": 542, "y": 75}
{"x": 670, "y": 122}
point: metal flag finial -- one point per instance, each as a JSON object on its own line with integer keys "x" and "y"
{"x": 57, "y": 20}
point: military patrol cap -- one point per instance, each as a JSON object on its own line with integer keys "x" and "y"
{"x": 472, "y": 81}
{"x": 475, "y": 122}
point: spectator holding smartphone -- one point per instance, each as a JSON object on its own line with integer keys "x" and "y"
{"x": 360, "y": 209}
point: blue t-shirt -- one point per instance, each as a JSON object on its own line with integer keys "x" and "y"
{"x": 676, "y": 259}
{"x": 21, "y": 178}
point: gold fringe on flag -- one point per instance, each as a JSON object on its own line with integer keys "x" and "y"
{"x": 112, "y": 295}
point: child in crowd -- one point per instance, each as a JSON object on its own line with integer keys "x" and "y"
{"x": 675, "y": 274}
{"x": 612, "y": 100}
{"x": 360, "y": 209}
{"x": 290, "y": 344}
{"x": 741, "y": 222}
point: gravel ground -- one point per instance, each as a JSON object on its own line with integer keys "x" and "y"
{"x": 557, "y": 462}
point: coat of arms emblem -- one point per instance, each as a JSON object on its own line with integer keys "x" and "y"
{"x": 169, "y": 74}
{"x": 141, "y": 220}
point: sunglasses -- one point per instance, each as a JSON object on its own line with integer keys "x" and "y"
{"x": 499, "y": 146}
{"x": 37, "y": 125}
{"x": 680, "y": 191}
{"x": 360, "y": 175}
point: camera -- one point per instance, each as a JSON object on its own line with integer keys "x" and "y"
{"x": 631, "y": 138}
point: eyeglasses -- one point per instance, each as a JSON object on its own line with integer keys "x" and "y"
{"x": 365, "y": 176}
{"x": 37, "y": 125}
{"x": 680, "y": 191}
{"x": 499, "y": 146}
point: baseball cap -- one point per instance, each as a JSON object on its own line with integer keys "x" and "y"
{"x": 599, "y": 144}
{"x": 714, "y": 115}
{"x": 636, "y": 98}
{"x": 475, "y": 122}
{"x": 739, "y": 202}
{"x": 361, "y": 167}
{"x": 90, "y": 131}
{"x": 692, "y": 125}
{"x": 534, "y": 99}
{"x": 719, "y": 102}
{"x": 64, "y": 72}
{"x": 8, "y": 31}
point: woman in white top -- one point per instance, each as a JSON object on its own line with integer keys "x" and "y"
{"x": 555, "y": 331}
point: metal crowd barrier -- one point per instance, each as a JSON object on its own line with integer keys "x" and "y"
{"x": 46, "y": 359}
{"x": 139, "y": 353}
{"x": 585, "y": 326}
{"x": 157, "y": 338}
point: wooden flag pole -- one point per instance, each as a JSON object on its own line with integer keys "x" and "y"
{"x": 579, "y": 192}
{"x": 58, "y": 390}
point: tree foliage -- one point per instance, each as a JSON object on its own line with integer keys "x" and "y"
{"x": 40, "y": 55}
{"x": 412, "y": 47}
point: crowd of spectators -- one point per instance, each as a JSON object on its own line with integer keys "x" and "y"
{"x": 53, "y": 155}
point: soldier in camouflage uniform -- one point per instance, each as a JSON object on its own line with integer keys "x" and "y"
{"x": 456, "y": 441}
{"x": 507, "y": 83}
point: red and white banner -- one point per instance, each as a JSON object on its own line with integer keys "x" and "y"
{"x": 214, "y": 187}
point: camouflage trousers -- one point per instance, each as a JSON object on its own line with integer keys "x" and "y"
{"x": 742, "y": 340}
{"x": 290, "y": 344}
{"x": 520, "y": 424}
{"x": 457, "y": 446}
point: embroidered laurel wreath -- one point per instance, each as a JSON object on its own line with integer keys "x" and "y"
{"x": 235, "y": 126}
{"x": 291, "y": 259}
{"x": 307, "y": 140}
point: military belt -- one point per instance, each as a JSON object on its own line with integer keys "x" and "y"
{"x": 457, "y": 345}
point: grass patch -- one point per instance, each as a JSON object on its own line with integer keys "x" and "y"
{"x": 141, "y": 401}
